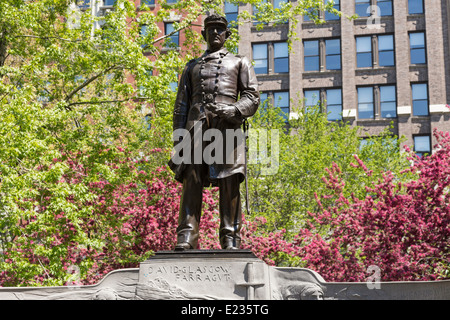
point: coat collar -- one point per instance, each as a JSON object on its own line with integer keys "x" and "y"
{"x": 215, "y": 55}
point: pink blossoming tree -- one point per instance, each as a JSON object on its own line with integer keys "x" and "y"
{"x": 403, "y": 228}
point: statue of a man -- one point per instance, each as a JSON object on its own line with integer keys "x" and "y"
{"x": 216, "y": 92}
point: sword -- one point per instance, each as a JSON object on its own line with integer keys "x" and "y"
{"x": 246, "y": 126}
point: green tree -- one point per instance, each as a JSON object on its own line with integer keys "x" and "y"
{"x": 308, "y": 146}
{"x": 73, "y": 93}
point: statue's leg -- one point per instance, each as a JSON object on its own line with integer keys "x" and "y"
{"x": 190, "y": 208}
{"x": 230, "y": 212}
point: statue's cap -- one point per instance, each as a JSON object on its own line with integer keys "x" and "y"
{"x": 215, "y": 19}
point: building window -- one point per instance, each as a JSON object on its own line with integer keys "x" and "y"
{"x": 324, "y": 15}
{"x": 362, "y": 8}
{"x": 329, "y": 16}
{"x": 417, "y": 48}
{"x": 109, "y": 2}
{"x": 312, "y": 98}
{"x": 148, "y": 2}
{"x": 365, "y": 8}
{"x": 231, "y": 13}
{"x": 148, "y": 121}
{"x": 260, "y": 57}
{"x": 422, "y": 145}
{"x": 385, "y": 7}
{"x": 143, "y": 34}
{"x": 415, "y": 7}
{"x": 388, "y": 102}
{"x": 278, "y": 99}
{"x": 377, "y": 100}
{"x": 334, "y": 104}
{"x": 333, "y": 54}
{"x": 278, "y": 62}
{"x": 257, "y": 14}
{"x": 174, "y": 39}
{"x": 171, "y": 1}
{"x": 367, "y": 56}
{"x": 419, "y": 99}
{"x": 365, "y": 103}
{"x": 311, "y": 54}
{"x": 323, "y": 54}
{"x": 83, "y": 4}
{"x": 364, "y": 52}
{"x": 386, "y": 50}
{"x": 281, "y": 100}
{"x": 276, "y": 4}
{"x": 281, "y": 57}
{"x": 331, "y": 100}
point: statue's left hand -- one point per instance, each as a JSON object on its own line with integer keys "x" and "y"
{"x": 225, "y": 111}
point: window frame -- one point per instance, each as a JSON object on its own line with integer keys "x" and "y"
{"x": 364, "y": 52}
{"x": 232, "y": 16}
{"x": 391, "y": 8}
{"x": 375, "y": 52}
{"x": 266, "y": 59}
{"x": 388, "y": 101}
{"x": 423, "y": 7}
{"x": 327, "y": 105}
{"x": 366, "y": 102}
{"x": 271, "y": 59}
{"x": 331, "y": 17}
{"x": 275, "y": 102}
{"x": 332, "y": 54}
{"x": 321, "y": 56}
{"x": 322, "y": 100}
{"x": 310, "y": 56}
{"x": 377, "y": 101}
{"x": 370, "y": 4}
{"x": 422, "y": 153}
{"x": 367, "y": 3}
{"x": 427, "y": 99}
{"x": 175, "y": 35}
{"x": 424, "y": 48}
{"x": 275, "y": 58}
{"x": 318, "y": 97}
{"x": 270, "y": 98}
{"x": 148, "y": 4}
{"x": 384, "y": 51}
{"x": 325, "y": 15}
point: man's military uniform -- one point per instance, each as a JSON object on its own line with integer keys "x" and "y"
{"x": 221, "y": 78}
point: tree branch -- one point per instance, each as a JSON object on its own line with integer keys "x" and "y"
{"x": 87, "y": 82}
{"x": 46, "y": 37}
{"x": 103, "y": 101}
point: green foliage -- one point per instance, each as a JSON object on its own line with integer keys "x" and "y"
{"x": 73, "y": 85}
{"x": 310, "y": 145}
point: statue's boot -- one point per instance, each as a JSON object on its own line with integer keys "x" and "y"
{"x": 230, "y": 212}
{"x": 190, "y": 209}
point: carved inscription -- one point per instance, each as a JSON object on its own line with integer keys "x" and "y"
{"x": 208, "y": 273}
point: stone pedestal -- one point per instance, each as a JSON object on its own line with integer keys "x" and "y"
{"x": 204, "y": 274}
{"x": 226, "y": 275}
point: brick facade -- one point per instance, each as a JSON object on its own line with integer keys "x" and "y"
{"x": 434, "y": 22}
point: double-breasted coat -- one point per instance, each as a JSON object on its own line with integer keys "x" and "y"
{"x": 223, "y": 78}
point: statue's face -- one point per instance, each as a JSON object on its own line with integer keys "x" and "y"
{"x": 215, "y": 35}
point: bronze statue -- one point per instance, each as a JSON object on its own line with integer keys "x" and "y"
{"x": 216, "y": 92}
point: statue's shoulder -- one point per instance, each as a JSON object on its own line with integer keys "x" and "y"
{"x": 239, "y": 57}
{"x": 188, "y": 66}
{"x": 243, "y": 60}
{"x": 192, "y": 61}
